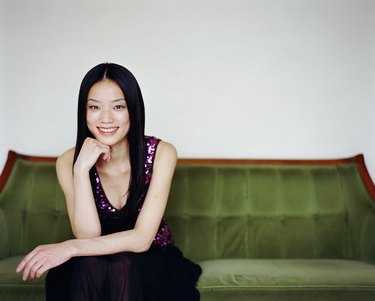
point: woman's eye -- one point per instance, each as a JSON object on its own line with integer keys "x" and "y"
{"x": 94, "y": 107}
{"x": 120, "y": 107}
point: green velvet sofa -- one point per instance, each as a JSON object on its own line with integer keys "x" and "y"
{"x": 261, "y": 229}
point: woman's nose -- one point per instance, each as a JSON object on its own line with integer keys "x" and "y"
{"x": 106, "y": 116}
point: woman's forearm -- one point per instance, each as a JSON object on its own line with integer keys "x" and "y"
{"x": 85, "y": 222}
{"x": 45, "y": 257}
{"x": 126, "y": 241}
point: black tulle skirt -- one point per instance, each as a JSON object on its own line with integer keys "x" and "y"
{"x": 158, "y": 274}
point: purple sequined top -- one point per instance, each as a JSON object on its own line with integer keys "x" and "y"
{"x": 114, "y": 220}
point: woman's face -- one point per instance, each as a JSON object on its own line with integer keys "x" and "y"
{"x": 107, "y": 115}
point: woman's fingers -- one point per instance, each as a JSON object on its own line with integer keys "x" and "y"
{"x": 90, "y": 152}
{"x": 24, "y": 261}
{"x": 30, "y": 267}
{"x": 107, "y": 153}
{"x": 35, "y": 268}
{"x": 31, "y": 263}
{"x": 45, "y": 267}
{"x": 104, "y": 150}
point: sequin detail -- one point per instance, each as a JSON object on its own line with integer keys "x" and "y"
{"x": 111, "y": 215}
{"x": 103, "y": 205}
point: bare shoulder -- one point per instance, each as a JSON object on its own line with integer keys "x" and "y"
{"x": 166, "y": 150}
{"x": 64, "y": 165}
{"x": 166, "y": 155}
{"x": 65, "y": 160}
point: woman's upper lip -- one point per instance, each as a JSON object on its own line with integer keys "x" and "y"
{"x": 107, "y": 129}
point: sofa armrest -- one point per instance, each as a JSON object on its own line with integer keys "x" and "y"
{"x": 4, "y": 236}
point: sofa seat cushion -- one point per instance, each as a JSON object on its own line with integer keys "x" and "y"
{"x": 12, "y": 285}
{"x": 287, "y": 279}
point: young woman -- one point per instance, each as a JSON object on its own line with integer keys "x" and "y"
{"x": 116, "y": 183}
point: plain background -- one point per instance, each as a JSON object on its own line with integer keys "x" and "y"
{"x": 230, "y": 79}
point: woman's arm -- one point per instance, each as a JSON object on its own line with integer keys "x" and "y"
{"x": 138, "y": 239}
{"x": 76, "y": 185}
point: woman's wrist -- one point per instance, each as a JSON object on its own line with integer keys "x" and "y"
{"x": 80, "y": 171}
{"x": 72, "y": 247}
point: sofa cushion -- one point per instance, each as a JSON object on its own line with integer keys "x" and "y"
{"x": 287, "y": 279}
{"x": 12, "y": 286}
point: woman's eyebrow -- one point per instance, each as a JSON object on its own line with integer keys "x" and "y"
{"x": 115, "y": 100}
{"x": 92, "y": 99}
{"x": 118, "y": 99}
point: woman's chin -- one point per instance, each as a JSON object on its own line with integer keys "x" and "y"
{"x": 111, "y": 142}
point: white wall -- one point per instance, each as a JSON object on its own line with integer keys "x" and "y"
{"x": 250, "y": 79}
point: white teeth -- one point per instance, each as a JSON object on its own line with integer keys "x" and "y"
{"x": 108, "y": 130}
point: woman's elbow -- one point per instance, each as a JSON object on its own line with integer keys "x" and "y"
{"x": 86, "y": 233}
{"x": 143, "y": 246}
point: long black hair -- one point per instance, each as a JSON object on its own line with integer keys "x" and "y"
{"x": 134, "y": 101}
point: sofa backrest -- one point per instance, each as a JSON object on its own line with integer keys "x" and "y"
{"x": 219, "y": 208}
{"x": 32, "y": 206}
{"x": 273, "y": 209}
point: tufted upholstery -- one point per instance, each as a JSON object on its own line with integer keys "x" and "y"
{"x": 272, "y": 211}
{"x": 262, "y": 230}
{"x": 33, "y": 208}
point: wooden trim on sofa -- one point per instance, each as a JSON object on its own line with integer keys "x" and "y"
{"x": 358, "y": 160}
{"x": 11, "y": 160}
{"x": 361, "y": 165}
{"x": 203, "y": 161}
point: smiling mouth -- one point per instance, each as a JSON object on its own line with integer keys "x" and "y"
{"x": 107, "y": 130}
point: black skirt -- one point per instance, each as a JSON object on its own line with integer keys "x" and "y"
{"x": 155, "y": 275}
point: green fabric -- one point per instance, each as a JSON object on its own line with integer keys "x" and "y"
{"x": 8, "y": 273}
{"x": 12, "y": 287}
{"x": 286, "y": 294}
{"x": 34, "y": 207}
{"x": 292, "y": 273}
{"x": 278, "y": 211}
{"x": 4, "y": 236}
{"x": 286, "y": 279}
{"x": 22, "y": 292}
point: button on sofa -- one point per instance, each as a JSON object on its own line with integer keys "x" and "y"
{"x": 260, "y": 229}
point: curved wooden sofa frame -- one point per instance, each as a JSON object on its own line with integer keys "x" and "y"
{"x": 358, "y": 160}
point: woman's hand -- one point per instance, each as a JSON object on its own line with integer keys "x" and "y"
{"x": 43, "y": 258}
{"x": 90, "y": 153}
